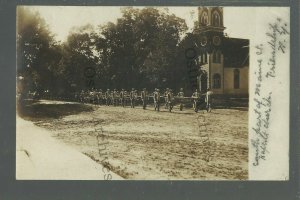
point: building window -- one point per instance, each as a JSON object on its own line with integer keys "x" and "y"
{"x": 203, "y": 58}
{"x": 216, "y": 81}
{"x": 200, "y": 59}
{"x": 236, "y": 79}
{"x": 217, "y": 57}
{"x": 204, "y": 18}
{"x": 216, "y": 19}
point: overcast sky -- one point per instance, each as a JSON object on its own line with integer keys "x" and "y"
{"x": 61, "y": 19}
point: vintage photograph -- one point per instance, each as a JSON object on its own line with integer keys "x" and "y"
{"x": 132, "y": 93}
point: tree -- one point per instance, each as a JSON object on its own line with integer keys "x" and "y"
{"x": 37, "y": 51}
{"x": 78, "y": 55}
{"x": 141, "y": 48}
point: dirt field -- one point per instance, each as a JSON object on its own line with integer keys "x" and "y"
{"x": 144, "y": 144}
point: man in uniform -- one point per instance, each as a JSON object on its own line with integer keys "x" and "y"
{"x": 126, "y": 96}
{"x": 136, "y": 96}
{"x": 114, "y": 97}
{"x": 99, "y": 97}
{"x": 82, "y": 96}
{"x": 166, "y": 98}
{"x": 156, "y": 98}
{"x": 92, "y": 96}
{"x": 132, "y": 97}
{"x": 111, "y": 97}
{"x": 122, "y": 97}
{"x": 107, "y": 97}
{"x": 87, "y": 96}
{"x": 170, "y": 99}
{"x": 144, "y": 98}
{"x": 181, "y": 96}
{"x": 208, "y": 99}
{"x": 196, "y": 97}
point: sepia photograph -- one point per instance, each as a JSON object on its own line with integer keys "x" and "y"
{"x": 133, "y": 93}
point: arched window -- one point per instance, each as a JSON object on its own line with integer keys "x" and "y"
{"x": 204, "y": 18}
{"x": 216, "y": 81}
{"x": 216, "y": 20}
{"x": 203, "y": 82}
{"x": 236, "y": 75}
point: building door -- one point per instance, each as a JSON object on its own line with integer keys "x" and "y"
{"x": 203, "y": 82}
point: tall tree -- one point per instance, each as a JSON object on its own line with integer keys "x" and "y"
{"x": 37, "y": 51}
{"x": 78, "y": 55}
{"x": 141, "y": 48}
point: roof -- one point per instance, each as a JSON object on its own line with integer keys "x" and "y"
{"x": 236, "y": 52}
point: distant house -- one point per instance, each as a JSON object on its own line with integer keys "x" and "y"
{"x": 223, "y": 61}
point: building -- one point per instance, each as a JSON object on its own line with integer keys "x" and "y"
{"x": 223, "y": 61}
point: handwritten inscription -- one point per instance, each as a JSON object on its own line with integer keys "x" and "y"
{"x": 277, "y": 44}
{"x": 266, "y": 64}
{"x": 262, "y": 110}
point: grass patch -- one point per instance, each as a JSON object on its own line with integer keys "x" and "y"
{"x": 38, "y": 110}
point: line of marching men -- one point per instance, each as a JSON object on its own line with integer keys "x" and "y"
{"x": 121, "y": 98}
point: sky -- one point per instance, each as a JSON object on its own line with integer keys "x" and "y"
{"x": 61, "y": 19}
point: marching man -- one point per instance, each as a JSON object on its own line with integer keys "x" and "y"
{"x": 132, "y": 96}
{"x": 156, "y": 98}
{"x": 144, "y": 98}
{"x": 208, "y": 99}
{"x": 196, "y": 96}
{"x": 107, "y": 97}
{"x": 181, "y": 96}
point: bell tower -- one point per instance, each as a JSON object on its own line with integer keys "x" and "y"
{"x": 210, "y": 34}
{"x": 210, "y": 27}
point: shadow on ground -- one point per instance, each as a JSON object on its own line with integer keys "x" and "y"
{"x": 36, "y": 110}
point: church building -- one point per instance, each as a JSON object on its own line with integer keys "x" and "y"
{"x": 223, "y": 61}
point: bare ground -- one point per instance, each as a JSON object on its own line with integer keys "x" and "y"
{"x": 144, "y": 144}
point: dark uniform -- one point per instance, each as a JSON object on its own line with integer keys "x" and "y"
{"x": 132, "y": 97}
{"x": 144, "y": 98}
{"x": 156, "y": 98}
{"x": 181, "y": 96}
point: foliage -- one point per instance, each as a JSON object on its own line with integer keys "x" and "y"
{"x": 143, "y": 48}
{"x": 140, "y": 50}
{"x": 37, "y": 51}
